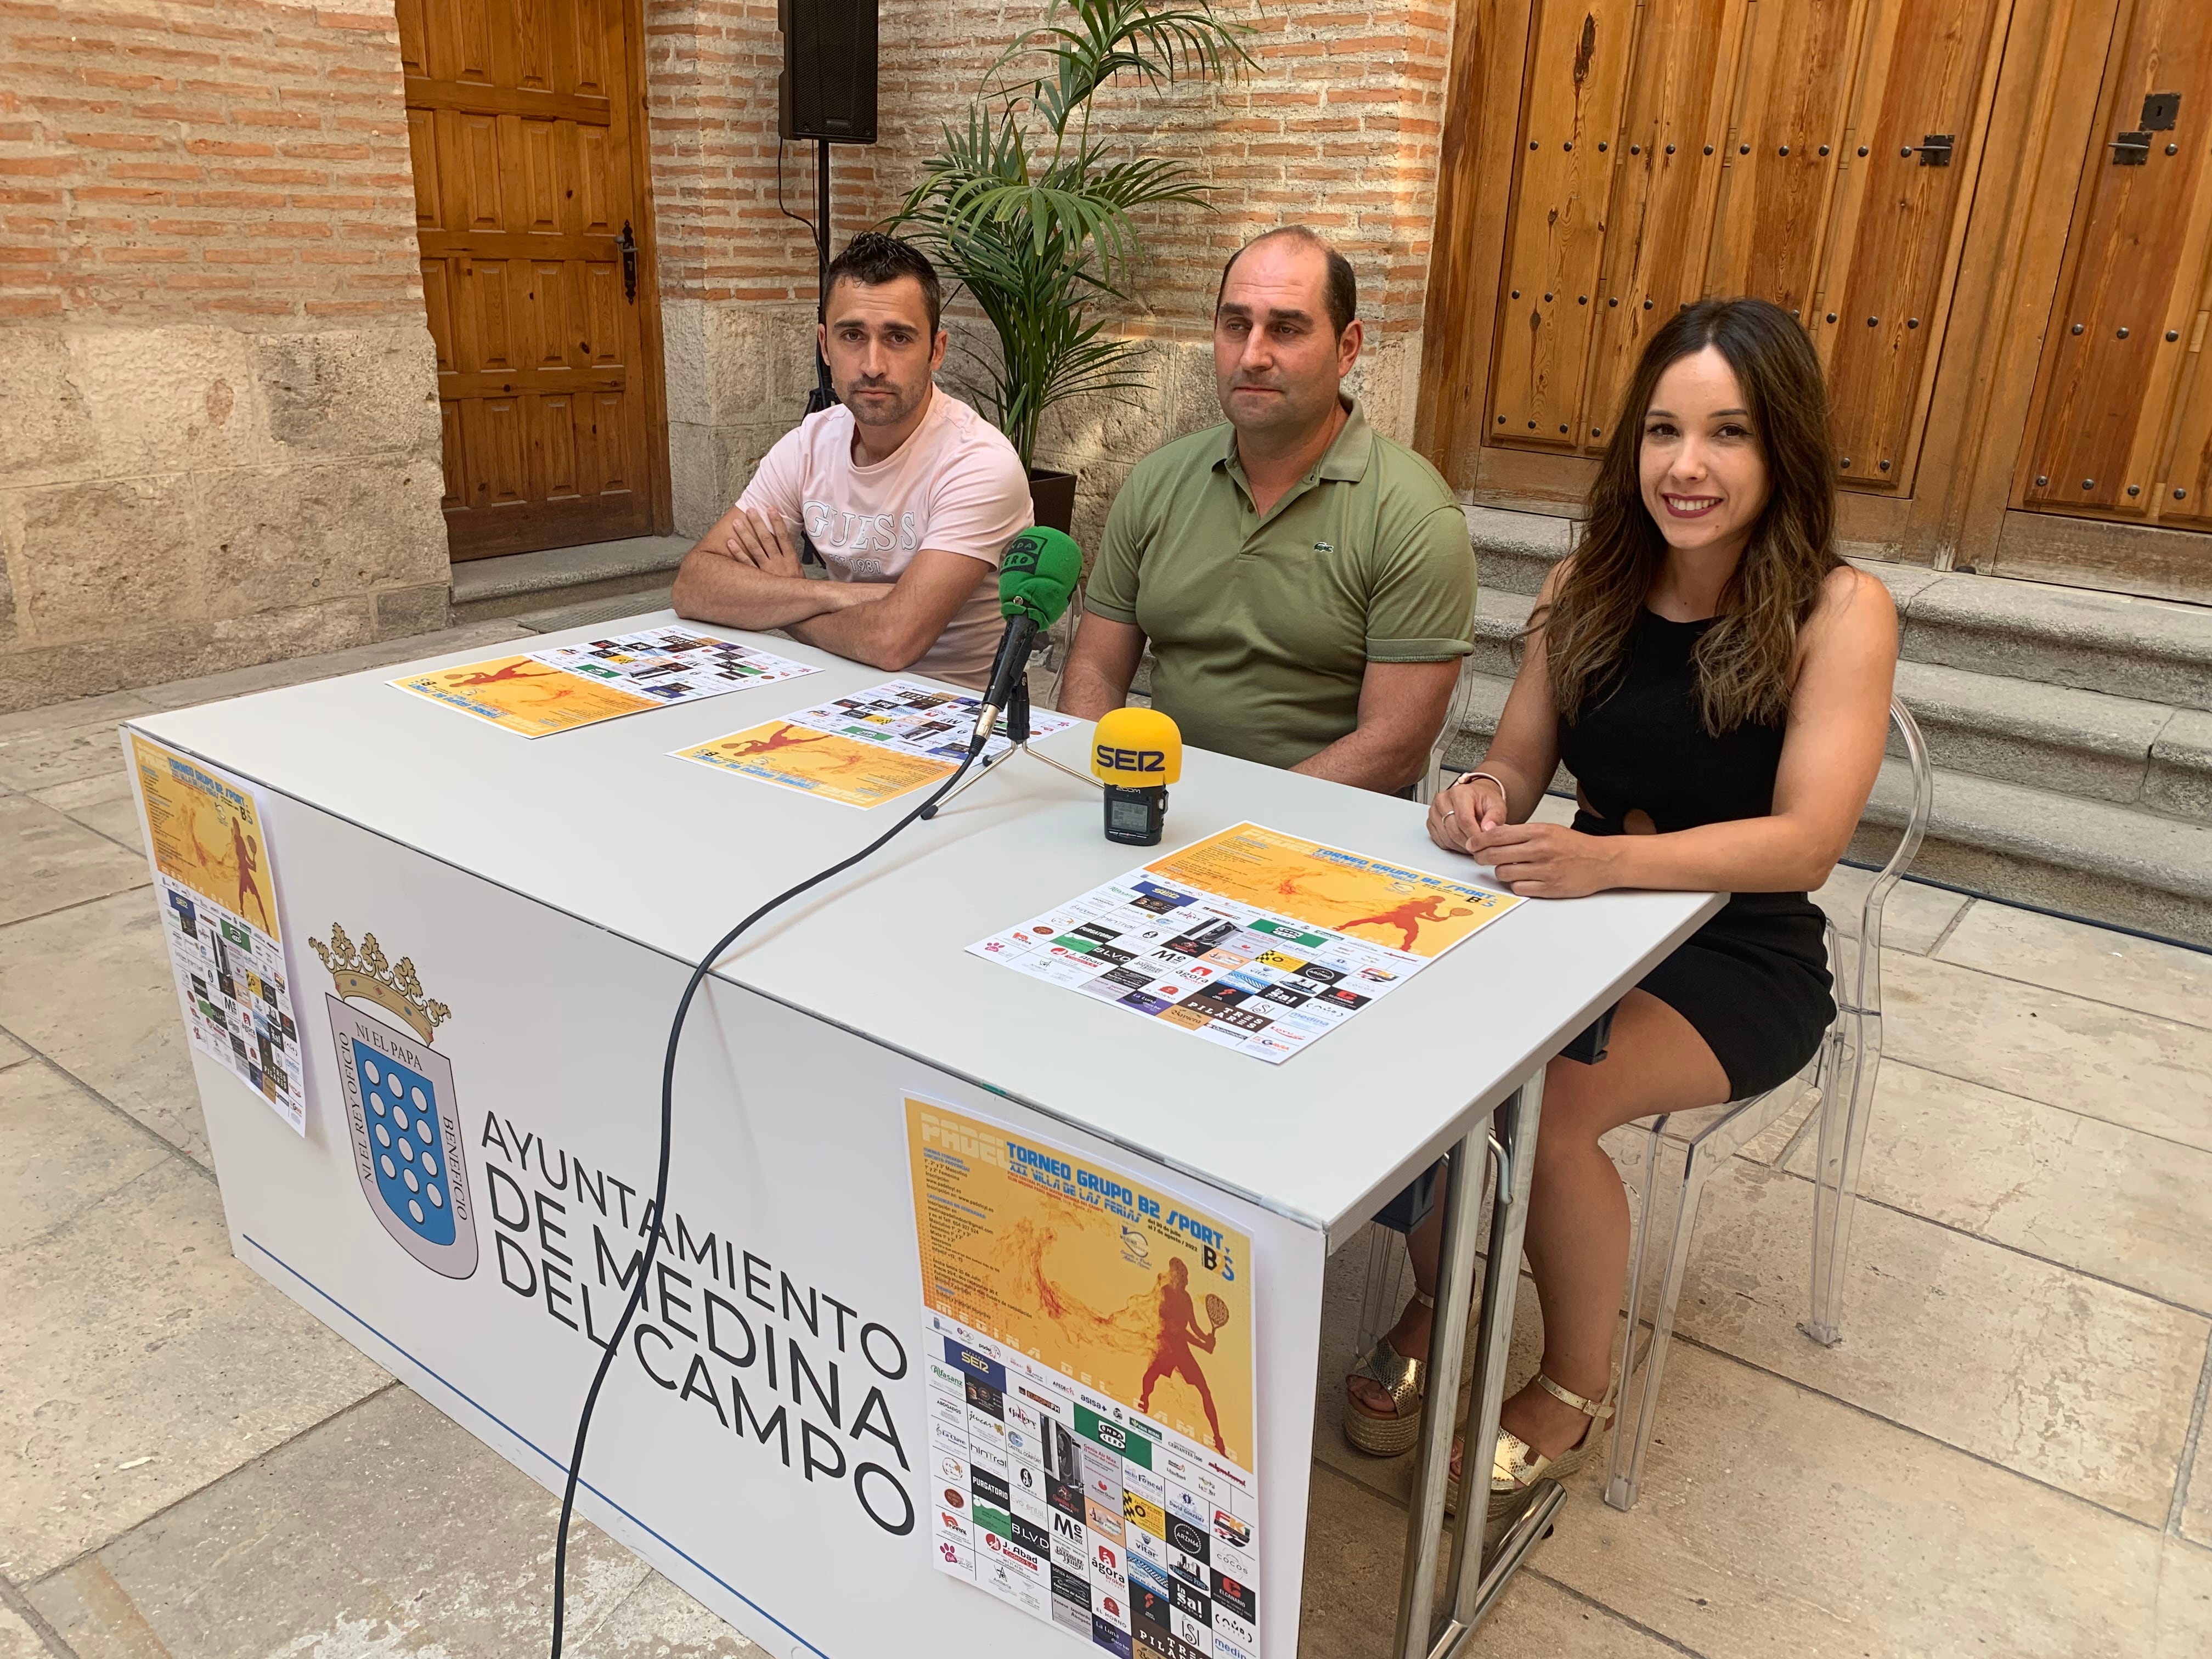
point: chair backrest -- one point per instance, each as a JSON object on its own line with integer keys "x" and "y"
{"x": 1462, "y": 702}
{"x": 1865, "y": 990}
{"x": 1916, "y": 821}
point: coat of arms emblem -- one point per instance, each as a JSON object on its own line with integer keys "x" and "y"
{"x": 400, "y": 1107}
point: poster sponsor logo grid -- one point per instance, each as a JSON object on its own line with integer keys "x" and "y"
{"x": 1089, "y": 1361}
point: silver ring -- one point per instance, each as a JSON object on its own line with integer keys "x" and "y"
{"x": 1452, "y": 812}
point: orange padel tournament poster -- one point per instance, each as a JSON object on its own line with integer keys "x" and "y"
{"x": 1090, "y": 1382}
{"x": 218, "y": 894}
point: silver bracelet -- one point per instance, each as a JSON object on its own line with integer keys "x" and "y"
{"x": 1492, "y": 777}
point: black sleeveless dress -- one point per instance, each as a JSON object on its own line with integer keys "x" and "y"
{"x": 1753, "y": 980}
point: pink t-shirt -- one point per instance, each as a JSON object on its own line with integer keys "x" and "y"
{"x": 955, "y": 485}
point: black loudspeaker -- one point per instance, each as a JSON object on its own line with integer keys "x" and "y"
{"x": 828, "y": 88}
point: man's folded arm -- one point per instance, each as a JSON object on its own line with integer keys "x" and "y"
{"x": 897, "y": 629}
{"x": 719, "y": 582}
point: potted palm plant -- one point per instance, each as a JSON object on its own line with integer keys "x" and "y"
{"x": 1032, "y": 213}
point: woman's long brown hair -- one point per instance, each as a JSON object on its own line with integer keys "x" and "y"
{"x": 1745, "y": 660}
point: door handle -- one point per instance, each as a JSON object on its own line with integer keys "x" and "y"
{"x": 1935, "y": 149}
{"x": 629, "y": 246}
{"x": 2129, "y": 150}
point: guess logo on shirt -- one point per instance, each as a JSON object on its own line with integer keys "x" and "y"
{"x": 851, "y": 536}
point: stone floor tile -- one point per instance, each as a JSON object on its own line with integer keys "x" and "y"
{"x": 11, "y": 1052}
{"x": 2080, "y": 1384}
{"x": 301, "y": 671}
{"x": 58, "y": 753}
{"x": 657, "y": 1621}
{"x": 49, "y": 863}
{"x": 91, "y": 988}
{"x": 1775, "y": 1522}
{"x": 1913, "y": 916}
{"x": 1355, "y": 1549}
{"x": 18, "y": 1640}
{"x": 84, "y": 1151}
{"x": 387, "y": 1530}
{"x": 2125, "y": 1068}
{"x": 2089, "y": 962}
{"x": 106, "y": 802}
{"x": 2184, "y": 1602}
{"x": 113, "y": 707}
{"x": 2196, "y": 1510}
{"x": 2077, "y": 1190}
{"x": 142, "y": 1361}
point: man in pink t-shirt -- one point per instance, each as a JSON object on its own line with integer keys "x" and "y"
{"x": 909, "y": 496}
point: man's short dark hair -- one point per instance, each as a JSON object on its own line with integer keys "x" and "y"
{"x": 1341, "y": 291}
{"x": 873, "y": 259}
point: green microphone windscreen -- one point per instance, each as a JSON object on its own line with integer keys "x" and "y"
{"x": 1038, "y": 574}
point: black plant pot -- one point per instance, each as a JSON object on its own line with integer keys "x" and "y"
{"x": 1052, "y": 498}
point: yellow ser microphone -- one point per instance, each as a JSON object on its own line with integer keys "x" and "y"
{"x": 1136, "y": 753}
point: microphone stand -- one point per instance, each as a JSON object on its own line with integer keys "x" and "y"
{"x": 1014, "y": 723}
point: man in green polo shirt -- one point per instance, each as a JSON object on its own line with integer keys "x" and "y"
{"x": 1307, "y": 584}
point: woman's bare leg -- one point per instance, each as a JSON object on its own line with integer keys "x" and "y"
{"x": 1577, "y": 1235}
{"x": 1578, "y": 1228}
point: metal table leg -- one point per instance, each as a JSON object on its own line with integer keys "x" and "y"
{"x": 1472, "y": 1592}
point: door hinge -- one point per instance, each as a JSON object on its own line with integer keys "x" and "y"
{"x": 629, "y": 246}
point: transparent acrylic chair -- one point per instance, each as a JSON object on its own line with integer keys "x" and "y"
{"x": 1682, "y": 1150}
{"x": 1463, "y": 698}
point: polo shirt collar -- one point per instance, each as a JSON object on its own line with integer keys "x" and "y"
{"x": 1345, "y": 461}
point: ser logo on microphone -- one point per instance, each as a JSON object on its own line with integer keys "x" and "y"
{"x": 1109, "y": 759}
{"x": 1136, "y": 754}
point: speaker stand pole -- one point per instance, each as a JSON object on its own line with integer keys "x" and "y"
{"x": 822, "y": 396}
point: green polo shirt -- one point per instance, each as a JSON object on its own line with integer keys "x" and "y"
{"x": 1262, "y": 627}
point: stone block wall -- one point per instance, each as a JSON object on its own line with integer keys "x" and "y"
{"x": 1337, "y": 124}
{"x": 218, "y": 395}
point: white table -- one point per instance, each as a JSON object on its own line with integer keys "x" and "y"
{"x": 555, "y": 893}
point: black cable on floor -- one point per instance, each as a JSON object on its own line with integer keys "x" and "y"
{"x": 660, "y": 1174}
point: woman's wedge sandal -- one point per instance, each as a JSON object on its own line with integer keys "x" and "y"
{"x": 1515, "y": 1465}
{"x": 1401, "y": 1379}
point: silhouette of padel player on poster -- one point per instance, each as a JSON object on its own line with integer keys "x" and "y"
{"x": 1179, "y": 1334}
{"x": 1408, "y": 919}
{"x": 241, "y": 846}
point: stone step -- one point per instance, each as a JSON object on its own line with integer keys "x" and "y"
{"x": 2106, "y": 861}
{"x": 1514, "y": 552}
{"x": 2083, "y": 857}
{"x": 2152, "y": 650}
{"x": 592, "y": 613}
{"x": 1500, "y": 614}
{"x": 517, "y": 584}
{"x": 2053, "y": 738}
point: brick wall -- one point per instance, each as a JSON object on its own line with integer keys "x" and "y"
{"x": 1336, "y": 124}
{"x": 218, "y": 434}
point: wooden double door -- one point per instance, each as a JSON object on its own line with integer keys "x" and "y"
{"x": 526, "y": 126}
{"x": 1816, "y": 153}
{"x": 1921, "y": 183}
{"x": 2121, "y": 429}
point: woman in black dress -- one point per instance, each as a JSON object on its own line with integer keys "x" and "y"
{"x": 1717, "y": 680}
